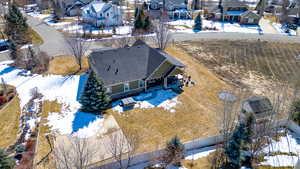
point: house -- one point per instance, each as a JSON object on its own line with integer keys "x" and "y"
{"x": 100, "y": 13}
{"x": 131, "y": 70}
{"x": 170, "y": 5}
{"x": 175, "y": 9}
{"x": 73, "y": 7}
{"x": 233, "y": 11}
{"x": 261, "y": 107}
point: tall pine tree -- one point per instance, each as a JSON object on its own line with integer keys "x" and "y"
{"x": 198, "y": 23}
{"x": 233, "y": 150}
{"x": 94, "y": 98}
{"x": 5, "y": 161}
{"x": 16, "y": 27}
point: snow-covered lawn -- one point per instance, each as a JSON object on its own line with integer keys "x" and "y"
{"x": 167, "y": 99}
{"x": 279, "y": 29}
{"x": 288, "y": 146}
{"x": 65, "y": 90}
{"x": 39, "y": 15}
{"x": 80, "y": 28}
{"x": 199, "y": 153}
{"x": 186, "y": 26}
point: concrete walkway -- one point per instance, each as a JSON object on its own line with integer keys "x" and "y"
{"x": 267, "y": 27}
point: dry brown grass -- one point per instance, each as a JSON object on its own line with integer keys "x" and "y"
{"x": 35, "y": 37}
{"x": 43, "y": 147}
{"x": 9, "y": 122}
{"x": 195, "y": 117}
{"x": 66, "y": 65}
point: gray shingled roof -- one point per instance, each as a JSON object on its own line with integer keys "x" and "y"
{"x": 128, "y": 64}
{"x": 260, "y": 105}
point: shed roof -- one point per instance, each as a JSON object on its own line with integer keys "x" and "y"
{"x": 260, "y": 105}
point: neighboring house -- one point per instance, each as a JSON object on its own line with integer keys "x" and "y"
{"x": 131, "y": 70}
{"x": 175, "y": 9}
{"x": 73, "y": 7}
{"x": 170, "y": 5}
{"x": 100, "y": 13}
{"x": 261, "y": 107}
{"x": 233, "y": 11}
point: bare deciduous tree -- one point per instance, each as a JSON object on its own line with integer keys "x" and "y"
{"x": 121, "y": 42}
{"x": 122, "y": 147}
{"x": 78, "y": 48}
{"x": 162, "y": 34}
{"x": 74, "y": 154}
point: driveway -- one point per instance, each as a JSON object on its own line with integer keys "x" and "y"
{"x": 267, "y": 26}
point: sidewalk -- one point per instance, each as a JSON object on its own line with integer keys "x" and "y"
{"x": 267, "y": 27}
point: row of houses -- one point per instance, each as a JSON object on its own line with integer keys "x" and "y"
{"x": 97, "y": 12}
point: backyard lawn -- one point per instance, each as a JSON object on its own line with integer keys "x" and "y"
{"x": 43, "y": 147}
{"x": 194, "y": 117}
{"x": 66, "y": 65}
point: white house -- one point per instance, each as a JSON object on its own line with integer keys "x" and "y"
{"x": 98, "y": 13}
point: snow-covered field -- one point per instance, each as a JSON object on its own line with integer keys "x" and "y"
{"x": 166, "y": 99}
{"x": 288, "y": 146}
{"x": 64, "y": 90}
{"x": 186, "y": 26}
{"x": 39, "y": 15}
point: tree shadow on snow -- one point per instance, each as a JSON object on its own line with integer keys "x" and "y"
{"x": 82, "y": 120}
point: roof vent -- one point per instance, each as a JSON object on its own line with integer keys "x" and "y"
{"x": 116, "y": 72}
{"x": 108, "y": 68}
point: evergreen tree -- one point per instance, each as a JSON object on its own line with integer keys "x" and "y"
{"x": 248, "y": 128}
{"x": 147, "y": 23}
{"x": 233, "y": 150}
{"x": 16, "y": 27}
{"x": 5, "y": 161}
{"x": 198, "y": 23}
{"x": 174, "y": 152}
{"x": 94, "y": 98}
{"x": 14, "y": 50}
{"x": 139, "y": 19}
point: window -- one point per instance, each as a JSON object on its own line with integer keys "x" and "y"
{"x": 108, "y": 90}
{"x": 107, "y": 14}
{"x": 100, "y": 14}
{"x": 250, "y": 20}
{"x": 126, "y": 87}
{"x": 141, "y": 83}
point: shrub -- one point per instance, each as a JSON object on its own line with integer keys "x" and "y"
{"x": 295, "y": 111}
{"x": 173, "y": 152}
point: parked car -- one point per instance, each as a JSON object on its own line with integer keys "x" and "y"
{"x": 4, "y": 45}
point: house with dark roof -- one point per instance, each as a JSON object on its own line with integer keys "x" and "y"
{"x": 131, "y": 70}
{"x": 233, "y": 11}
{"x": 261, "y": 107}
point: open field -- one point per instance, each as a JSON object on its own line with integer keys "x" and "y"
{"x": 260, "y": 66}
{"x": 9, "y": 122}
{"x": 195, "y": 117}
{"x": 43, "y": 147}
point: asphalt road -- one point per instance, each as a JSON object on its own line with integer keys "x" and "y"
{"x": 55, "y": 45}
{"x": 235, "y": 36}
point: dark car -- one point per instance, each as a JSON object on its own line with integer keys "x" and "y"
{"x": 4, "y": 45}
